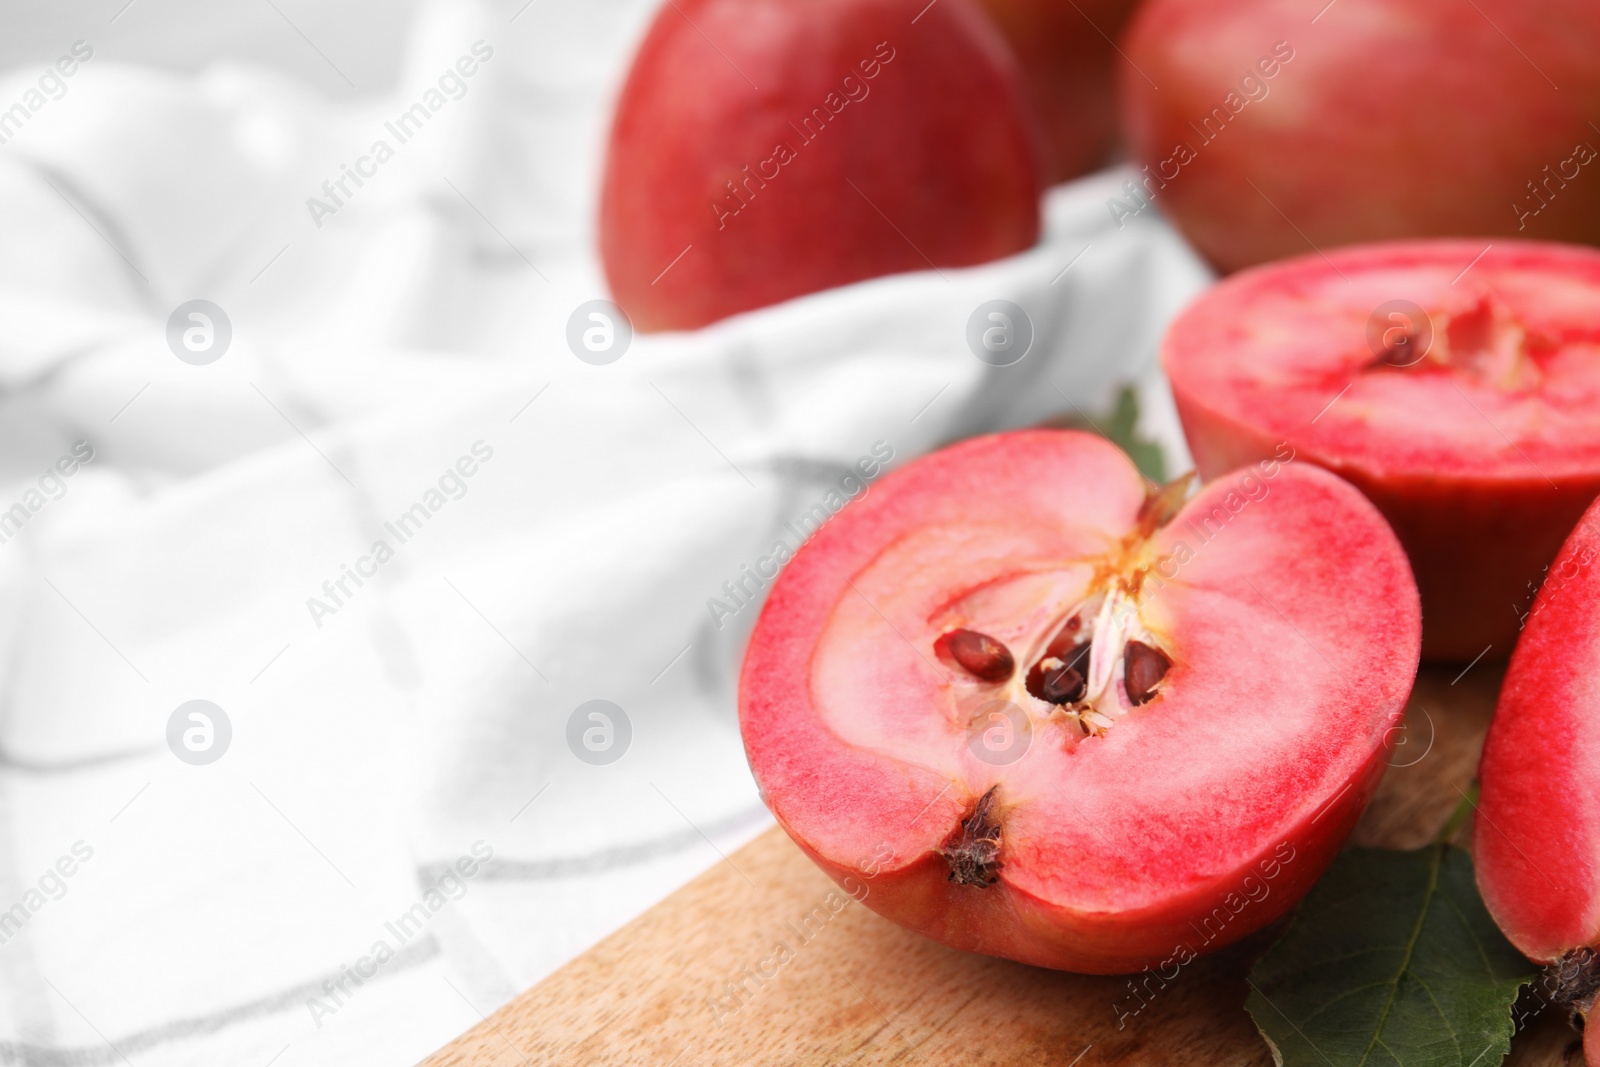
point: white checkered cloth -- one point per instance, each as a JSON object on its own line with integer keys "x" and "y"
{"x": 274, "y": 906}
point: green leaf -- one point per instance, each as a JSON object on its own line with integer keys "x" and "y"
{"x": 1121, "y": 427}
{"x": 1392, "y": 959}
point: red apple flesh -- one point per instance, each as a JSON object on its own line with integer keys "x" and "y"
{"x": 1536, "y": 837}
{"x": 1183, "y": 779}
{"x": 1068, "y": 65}
{"x": 763, "y": 149}
{"x": 1392, "y": 118}
{"x": 1477, "y": 433}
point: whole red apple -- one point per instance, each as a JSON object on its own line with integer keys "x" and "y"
{"x": 1269, "y": 128}
{"x": 1017, "y": 701}
{"x": 763, "y": 149}
{"x": 1068, "y": 58}
{"x": 1458, "y": 388}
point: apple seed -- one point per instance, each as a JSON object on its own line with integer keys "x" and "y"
{"x": 978, "y": 654}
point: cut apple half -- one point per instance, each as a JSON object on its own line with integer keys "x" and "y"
{"x": 1456, "y": 383}
{"x": 1028, "y": 704}
{"x": 1536, "y": 835}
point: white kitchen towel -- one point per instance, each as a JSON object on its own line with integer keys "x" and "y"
{"x": 400, "y": 536}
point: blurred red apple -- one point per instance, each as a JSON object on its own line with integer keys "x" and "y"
{"x": 763, "y": 149}
{"x": 1068, "y": 62}
{"x": 1277, "y": 128}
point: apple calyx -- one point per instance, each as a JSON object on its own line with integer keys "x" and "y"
{"x": 973, "y": 849}
{"x": 1574, "y": 980}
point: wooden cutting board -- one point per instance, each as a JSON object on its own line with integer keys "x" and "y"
{"x": 860, "y": 990}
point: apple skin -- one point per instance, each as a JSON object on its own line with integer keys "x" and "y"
{"x": 1068, "y": 65}
{"x": 929, "y": 156}
{"x": 1394, "y": 118}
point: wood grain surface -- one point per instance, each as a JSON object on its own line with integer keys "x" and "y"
{"x": 683, "y": 985}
